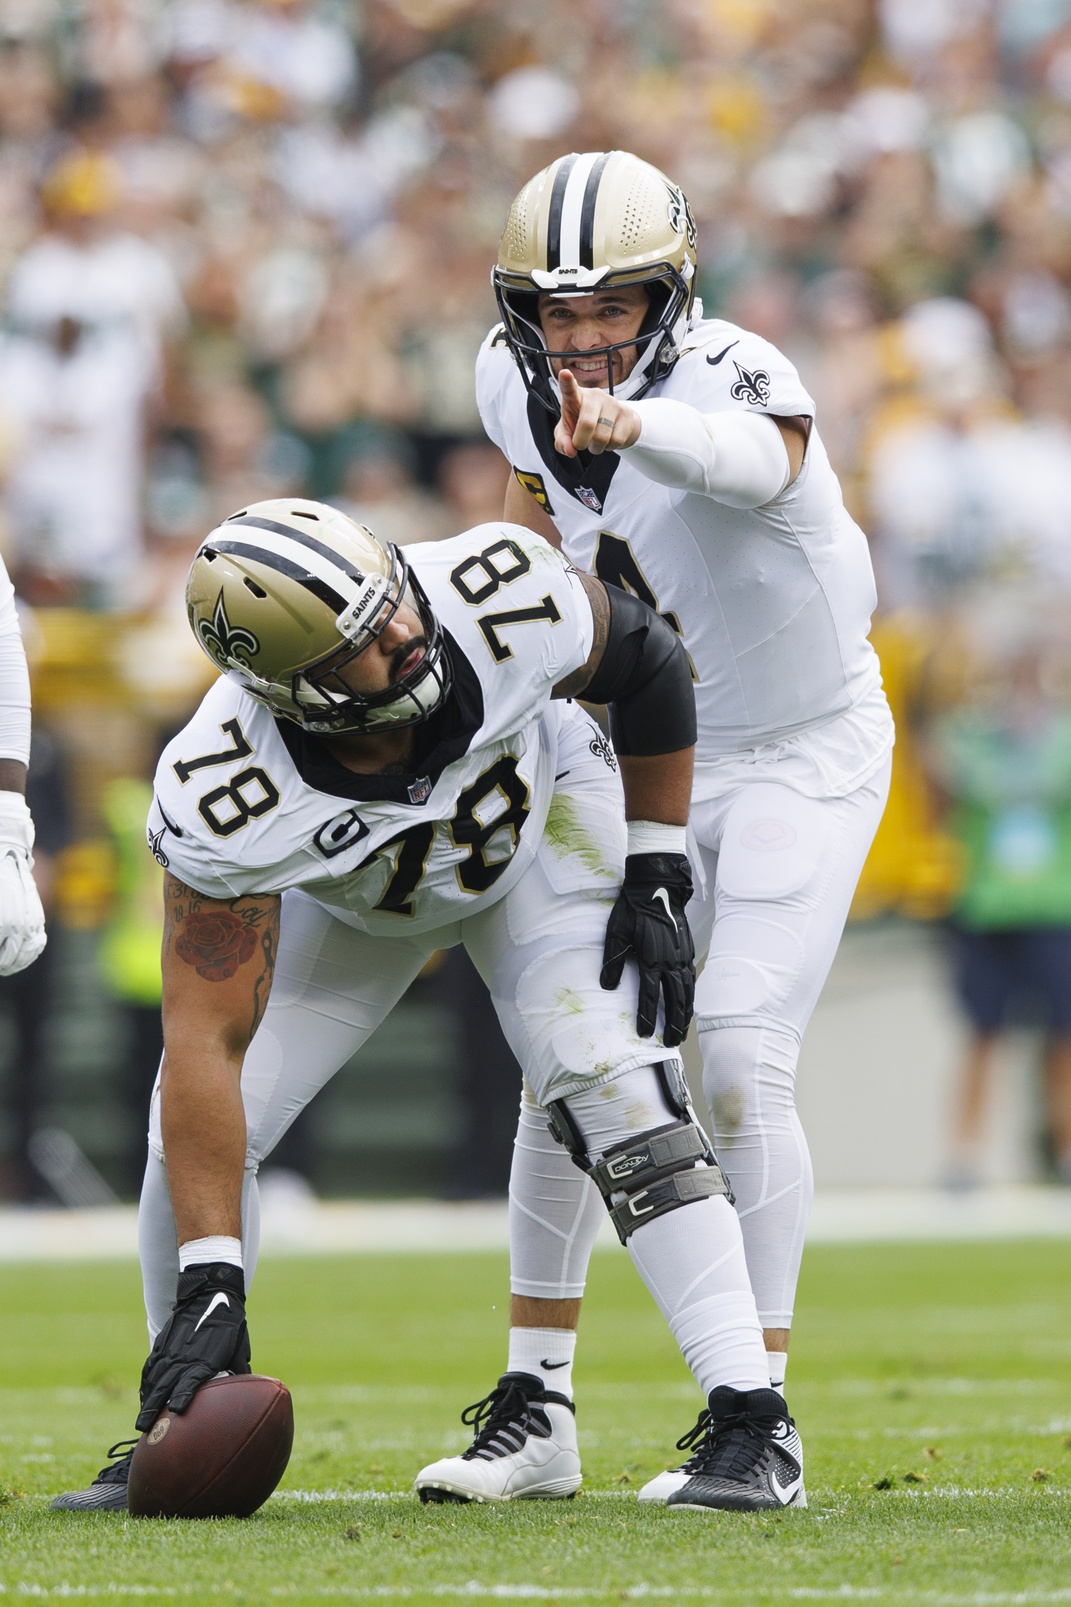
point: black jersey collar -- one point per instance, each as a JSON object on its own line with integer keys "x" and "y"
{"x": 440, "y": 740}
{"x": 587, "y": 476}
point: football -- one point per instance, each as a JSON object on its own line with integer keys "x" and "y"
{"x": 221, "y": 1458}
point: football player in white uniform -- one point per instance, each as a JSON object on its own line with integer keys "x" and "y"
{"x": 390, "y": 764}
{"x": 22, "y": 920}
{"x": 675, "y": 458}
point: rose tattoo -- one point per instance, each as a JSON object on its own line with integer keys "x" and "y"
{"x": 216, "y": 944}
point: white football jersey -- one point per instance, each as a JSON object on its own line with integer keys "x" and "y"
{"x": 773, "y": 603}
{"x": 246, "y": 803}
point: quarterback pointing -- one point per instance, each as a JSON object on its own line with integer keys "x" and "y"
{"x": 675, "y": 458}
{"x": 391, "y": 763}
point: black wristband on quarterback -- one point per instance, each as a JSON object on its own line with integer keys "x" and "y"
{"x": 648, "y": 924}
{"x": 206, "y": 1334}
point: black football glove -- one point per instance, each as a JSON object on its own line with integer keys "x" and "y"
{"x": 204, "y": 1335}
{"x": 648, "y": 921}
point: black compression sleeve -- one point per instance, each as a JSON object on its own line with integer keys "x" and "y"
{"x": 645, "y": 678}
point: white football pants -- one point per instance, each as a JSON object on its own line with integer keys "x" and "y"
{"x": 539, "y": 949}
{"x": 780, "y": 869}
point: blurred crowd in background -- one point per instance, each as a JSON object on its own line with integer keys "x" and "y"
{"x": 244, "y": 253}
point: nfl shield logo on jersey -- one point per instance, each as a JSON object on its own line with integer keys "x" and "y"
{"x": 588, "y": 498}
{"x": 420, "y": 791}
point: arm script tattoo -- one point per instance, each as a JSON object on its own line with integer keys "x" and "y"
{"x": 574, "y": 684}
{"x": 218, "y": 937}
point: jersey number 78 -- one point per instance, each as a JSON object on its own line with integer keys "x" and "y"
{"x": 479, "y": 578}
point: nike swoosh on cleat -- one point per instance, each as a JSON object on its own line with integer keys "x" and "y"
{"x": 785, "y": 1492}
{"x": 551, "y": 1365}
{"x": 218, "y": 1299}
{"x": 714, "y": 361}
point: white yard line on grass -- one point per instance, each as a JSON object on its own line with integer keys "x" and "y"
{"x": 957, "y": 1492}
{"x": 475, "y": 1590}
{"x": 315, "y": 1496}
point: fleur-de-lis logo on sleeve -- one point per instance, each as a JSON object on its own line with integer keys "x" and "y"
{"x": 232, "y": 646}
{"x": 751, "y": 387}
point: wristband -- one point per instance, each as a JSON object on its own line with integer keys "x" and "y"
{"x": 16, "y": 822}
{"x": 655, "y": 837}
{"x": 220, "y": 1247}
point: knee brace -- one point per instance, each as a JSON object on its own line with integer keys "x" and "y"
{"x": 643, "y": 1177}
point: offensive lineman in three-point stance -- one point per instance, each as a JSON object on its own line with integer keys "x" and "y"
{"x": 387, "y": 766}
{"x": 674, "y": 457}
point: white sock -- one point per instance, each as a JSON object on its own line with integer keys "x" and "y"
{"x": 777, "y": 1362}
{"x": 692, "y": 1261}
{"x": 220, "y": 1247}
{"x": 545, "y": 1352}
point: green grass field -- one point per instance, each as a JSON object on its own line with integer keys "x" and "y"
{"x": 932, "y": 1386}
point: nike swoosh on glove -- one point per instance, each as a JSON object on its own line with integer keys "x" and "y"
{"x": 648, "y": 922}
{"x": 205, "y": 1334}
{"x": 22, "y": 920}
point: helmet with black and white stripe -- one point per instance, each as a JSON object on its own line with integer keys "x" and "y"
{"x": 284, "y": 594}
{"x": 589, "y": 222}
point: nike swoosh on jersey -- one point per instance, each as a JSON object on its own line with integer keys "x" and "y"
{"x": 551, "y": 1365}
{"x": 714, "y": 361}
{"x": 218, "y": 1299}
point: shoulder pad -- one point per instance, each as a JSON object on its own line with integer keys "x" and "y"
{"x": 709, "y": 332}
{"x": 495, "y": 341}
{"x": 722, "y": 362}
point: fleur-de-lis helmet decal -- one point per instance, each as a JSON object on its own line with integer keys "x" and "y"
{"x": 232, "y": 646}
{"x": 285, "y": 594}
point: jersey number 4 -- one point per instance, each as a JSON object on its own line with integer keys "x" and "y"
{"x": 616, "y": 565}
{"x": 479, "y": 577}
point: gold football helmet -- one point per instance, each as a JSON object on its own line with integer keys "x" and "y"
{"x": 591, "y": 222}
{"x": 282, "y": 595}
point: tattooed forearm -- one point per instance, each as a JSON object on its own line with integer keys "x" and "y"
{"x": 573, "y": 685}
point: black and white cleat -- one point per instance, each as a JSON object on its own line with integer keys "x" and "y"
{"x": 107, "y": 1493}
{"x": 746, "y": 1457}
{"x": 525, "y": 1448}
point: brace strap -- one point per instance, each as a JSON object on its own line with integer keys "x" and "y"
{"x": 662, "y": 1150}
{"x": 668, "y": 1195}
{"x": 655, "y": 1172}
